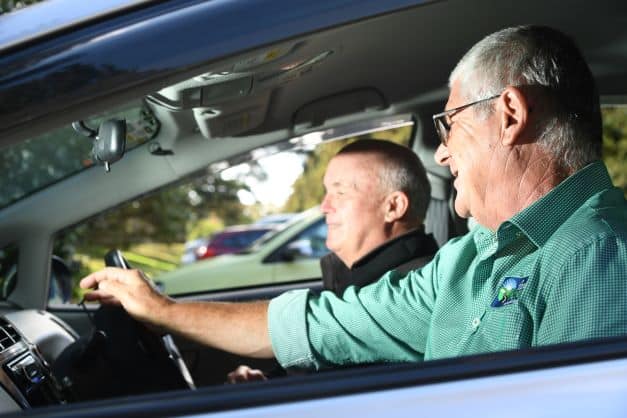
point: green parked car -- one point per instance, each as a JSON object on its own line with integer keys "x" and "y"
{"x": 288, "y": 254}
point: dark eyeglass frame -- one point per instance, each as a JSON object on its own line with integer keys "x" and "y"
{"x": 442, "y": 120}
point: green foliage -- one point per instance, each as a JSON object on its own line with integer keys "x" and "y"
{"x": 204, "y": 227}
{"x": 158, "y": 217}
{"x": 615, "y": 144}
{"x": 308, "y": 189}
{"x": 164, "y": 216}
{"x": 25, "y": 171}
{"x": 151, "y": 258}
{"x": 41, "y": 161}
{"x": 9, "y": 5}
{"x": 211, "y": 195}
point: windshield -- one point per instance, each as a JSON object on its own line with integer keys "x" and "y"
{"x": 166, "y": 233}
{"x": 38, "y": 162}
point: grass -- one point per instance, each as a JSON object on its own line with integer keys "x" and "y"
{"x": 152, "y": 258}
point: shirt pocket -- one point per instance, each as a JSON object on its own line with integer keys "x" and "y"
{"x": 505, "y": 328}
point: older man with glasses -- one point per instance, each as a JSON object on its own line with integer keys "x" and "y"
{"x": 546, "y": 264}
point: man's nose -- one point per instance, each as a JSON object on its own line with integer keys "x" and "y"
{"x": 441, "y": 155}
{"x": 326, "y": 206}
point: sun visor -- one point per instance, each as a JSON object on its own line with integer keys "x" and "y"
{"x": 203, "y": 91}
{"x": 318, "y": 112}
{"x": 233, "y": 118}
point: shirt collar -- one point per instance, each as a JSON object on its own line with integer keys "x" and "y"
{"x": 541, "y": 219}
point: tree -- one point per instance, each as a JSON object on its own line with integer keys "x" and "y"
{"x": 615, "y": 144}
{"x": 308, "y": 190}
{"x": 9, "y": 5}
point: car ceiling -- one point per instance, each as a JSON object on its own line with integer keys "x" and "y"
{"x": 407, "y": 56}
{"x": 400, "y": 62}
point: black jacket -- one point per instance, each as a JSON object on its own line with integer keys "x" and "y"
{"x": 404, "y": 253}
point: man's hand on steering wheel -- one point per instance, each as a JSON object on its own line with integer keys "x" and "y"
{"x": 131, "y": 289}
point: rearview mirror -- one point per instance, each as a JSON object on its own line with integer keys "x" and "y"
{"x": 109, "y": 141}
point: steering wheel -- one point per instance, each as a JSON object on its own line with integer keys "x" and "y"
{"x": 121, "y": 356}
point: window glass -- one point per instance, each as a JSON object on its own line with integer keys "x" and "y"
{"x": 257, "y": 203}
{"x": 38, "y": 162}
{"x": 167, "y": 234}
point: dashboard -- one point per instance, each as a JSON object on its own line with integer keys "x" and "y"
{"x": 30, "y": 341}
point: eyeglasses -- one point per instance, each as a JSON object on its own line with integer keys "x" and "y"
{"x": 442, "y": 121}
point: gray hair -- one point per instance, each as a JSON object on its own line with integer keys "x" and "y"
{"x": 400, "y": 169}
{"x": 539, "y": 56}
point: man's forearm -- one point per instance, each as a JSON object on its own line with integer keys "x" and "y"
{"x": 240, "y": 328}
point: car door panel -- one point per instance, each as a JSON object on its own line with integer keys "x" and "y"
{"x": 210, "y": 366}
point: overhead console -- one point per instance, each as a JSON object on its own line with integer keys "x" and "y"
{"x": 215, "y": 96}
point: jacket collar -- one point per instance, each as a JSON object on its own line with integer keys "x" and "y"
{"x": 540, "y": 220}
{"x": 336, "y": 276}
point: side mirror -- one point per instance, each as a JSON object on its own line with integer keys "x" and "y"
{"x": 297, "y": 249}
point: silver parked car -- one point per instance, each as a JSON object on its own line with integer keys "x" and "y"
{"x": 287, "y": 254}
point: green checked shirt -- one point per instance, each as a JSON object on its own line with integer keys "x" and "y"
{"x": 555, "y": 272}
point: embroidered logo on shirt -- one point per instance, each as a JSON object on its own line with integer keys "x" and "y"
{"x": 509, "y": 291}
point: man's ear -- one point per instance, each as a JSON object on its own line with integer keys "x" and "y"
{"x": 396, "y": 206}
{"x": 514, "y": 115}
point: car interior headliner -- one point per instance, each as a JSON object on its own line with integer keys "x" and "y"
{"x": 405, "y": 56}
